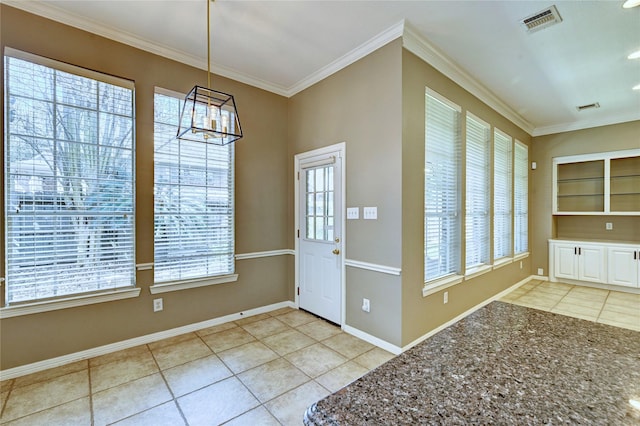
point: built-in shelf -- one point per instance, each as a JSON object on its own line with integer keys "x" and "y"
{"x": 603, "y": 183}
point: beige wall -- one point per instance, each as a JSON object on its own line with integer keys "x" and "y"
{"x": 422, "y": 314}
{"x": 361, "y": 105}
{"x": 262, "y": 210}
{"x": 543, "y": 224}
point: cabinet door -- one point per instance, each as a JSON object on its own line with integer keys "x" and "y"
{"x": 565, "y": 261}
{"x": 592, "y": 264}
{"x": 623, "y": 268}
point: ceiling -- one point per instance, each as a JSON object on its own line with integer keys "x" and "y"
{"x": 535, "y": 79}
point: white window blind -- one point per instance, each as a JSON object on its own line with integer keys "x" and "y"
{"x": 521, "y": 198}
{"x": 478, "y": 192}
{"x": 441, "y": 187}
{"x": 502, "y": 210}
{"x": 69, "y": 187}
{"x": 193, "y": 201}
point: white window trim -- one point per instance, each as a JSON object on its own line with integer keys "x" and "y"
{"x": 520, "y": 256}
{"x": 440, "y": 284}
{"x": 166, "y": 287}
{"x": 476, "y": 271}
{"x": 504, "y": 261}
{"x": 67, "y": 302}
{"x": 77, "y": 299}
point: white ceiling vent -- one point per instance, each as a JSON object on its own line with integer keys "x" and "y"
{"x": 588, "y": 106}
{"x": 542, "y": 19}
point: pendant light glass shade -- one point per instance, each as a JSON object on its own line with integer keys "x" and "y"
{"x": 209, "y": 116}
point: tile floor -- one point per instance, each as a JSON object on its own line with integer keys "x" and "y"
{"x": 262, "y": 370}
{"x": 608, "y": 307}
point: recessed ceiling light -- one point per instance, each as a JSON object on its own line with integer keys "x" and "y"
{"x": 634, "y": 55}
{"x": 631, "y": 3}
{"x": 636, "y": 87}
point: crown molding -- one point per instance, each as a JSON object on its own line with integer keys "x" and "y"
{"x": 587, "y": 124}
{"x": 354, "y": 55}
{"x": 48, "y": 11}
{"x": 417, "y": 45}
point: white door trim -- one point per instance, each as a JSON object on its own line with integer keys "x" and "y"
{"x": 299, "y": 160}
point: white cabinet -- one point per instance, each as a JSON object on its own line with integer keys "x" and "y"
{"x": 602, "y": 263}
{"x": 580, "y": 261}
{"x": 624, "y": 265}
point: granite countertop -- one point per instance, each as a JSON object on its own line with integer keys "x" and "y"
{"x": 503, "y": 364}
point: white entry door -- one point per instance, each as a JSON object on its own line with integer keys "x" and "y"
{"x": 320, "y": 254}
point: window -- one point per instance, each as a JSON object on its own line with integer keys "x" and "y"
{"x": 193, "y": 197}
{"x": 502, "y": 211}
{"x": 69, "y": 168}
{"x": 441, "y": 187}
{"x": 478, "y": 193}
{"x": 521, "y": 198}
{"x": 319, "y": 204}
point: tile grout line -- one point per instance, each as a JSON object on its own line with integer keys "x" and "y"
{"x": 602, "y": 307}
{"x": 92, "y": 417}
{"x": 174, "y": 399}
{"x": 4, "y": 403}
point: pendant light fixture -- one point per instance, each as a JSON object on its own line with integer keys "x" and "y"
{"x": 208, "y": 115}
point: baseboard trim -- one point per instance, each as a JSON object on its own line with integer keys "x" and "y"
{"x": 539, "y": 277}
{"x": 35, "y": 367}
{"x": 467, "y": 313}
{"x": 383, "y": 344}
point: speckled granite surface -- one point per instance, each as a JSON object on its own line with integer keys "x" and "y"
{"x": 502, "y": 365}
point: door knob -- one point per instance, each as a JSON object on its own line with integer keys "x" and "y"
{"x": 336, "y": 251}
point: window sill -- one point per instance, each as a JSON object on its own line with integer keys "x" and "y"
{"x": 68, "y": 302}
{"x": 440, "y": 284}
{"x": 502, "y": 262}
{"x": 520, "y": 256}
{"x": 186, "y": 284}
{"x": 474, "y": 272}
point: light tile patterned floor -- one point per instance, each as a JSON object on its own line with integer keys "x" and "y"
{"x": 262, "y": 370}
{"x": 615, "y": 308}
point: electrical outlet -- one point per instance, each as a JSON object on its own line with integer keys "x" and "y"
{"x": 609, "y": 226}
{"x": 540, "y": 271}
{"x": 366, "y": 305}
{"x": 157, "y": 305}
{"x": 446, "y": 297}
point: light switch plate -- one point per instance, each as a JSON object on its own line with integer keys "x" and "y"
{"x": 353, "y": 212}
{"x": 370, "y": 212}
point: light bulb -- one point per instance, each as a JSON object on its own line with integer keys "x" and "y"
{"x": 225, "y": 122}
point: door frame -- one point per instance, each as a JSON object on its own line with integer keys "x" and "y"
{"x": 340, "y": 150}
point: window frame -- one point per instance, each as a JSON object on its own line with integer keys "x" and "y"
{"x": 521, "y": 180}
{"x": 478, "y": 194}
{"x": 505, "y": 232}
{"x": 453, "y": 275}
{"x": 43, "y": 304}
{"x": 199, "y": 281}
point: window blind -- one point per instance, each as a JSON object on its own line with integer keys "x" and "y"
{"x": 69, "y": 187}
{"x": 521, "y": 198}
{"x": 193, "y": 202}
{"x": 442, "y": 187}
{"x": 477, "y": 192}
{"x": 502, "y": 210}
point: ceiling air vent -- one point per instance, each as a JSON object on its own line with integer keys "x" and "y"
{"x": 542, "y": 19}
{"x": 588, "y": 106}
